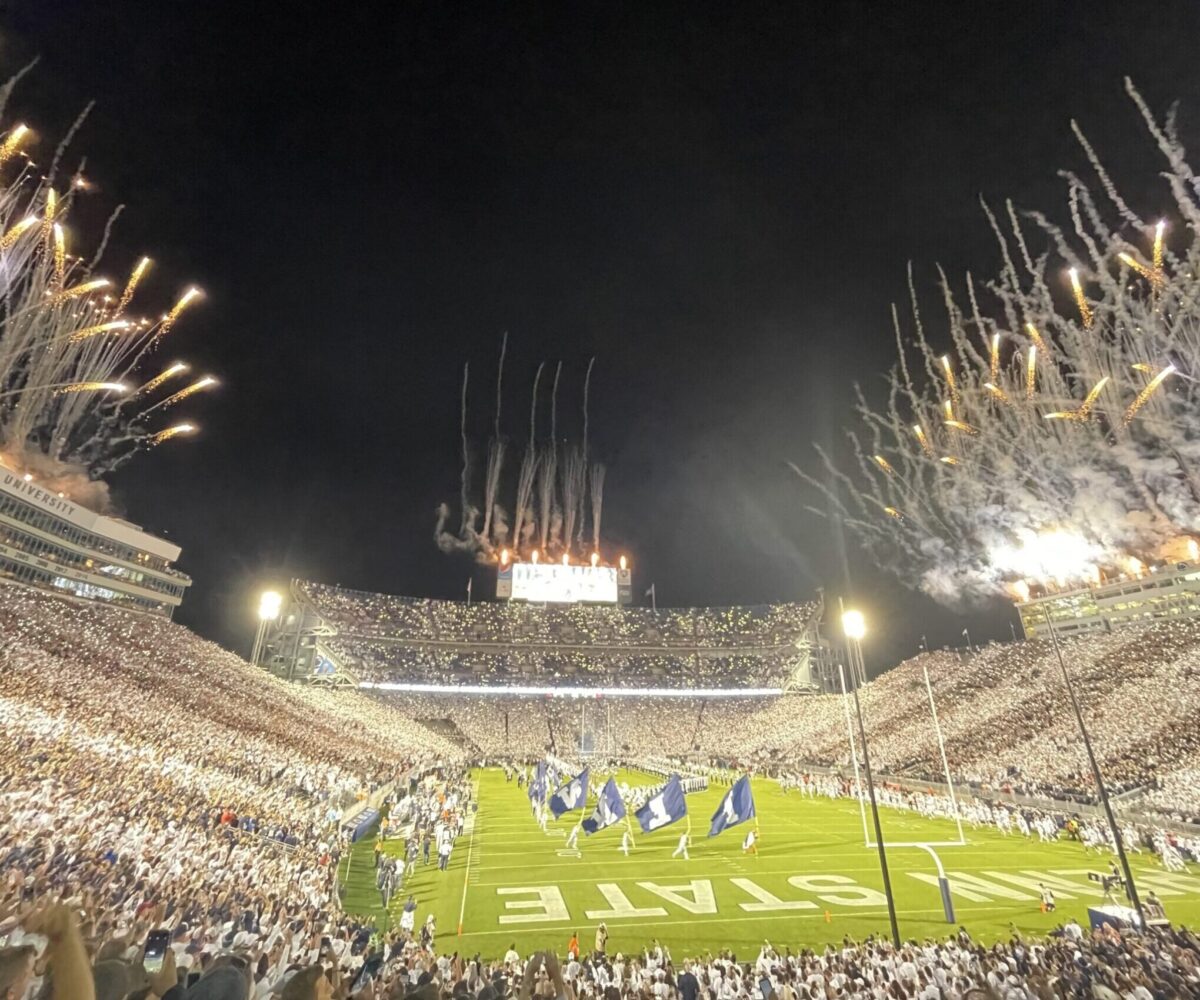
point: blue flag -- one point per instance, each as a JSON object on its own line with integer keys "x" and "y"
{"x": 537, "y": 785}
{"x": 664, "y": 808}
{"x": 572, "y": 795}
{"x": 735, "y": 808}
{"x": 610, "y": 809}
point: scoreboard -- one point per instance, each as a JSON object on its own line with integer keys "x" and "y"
{"x": 554, "y": 583}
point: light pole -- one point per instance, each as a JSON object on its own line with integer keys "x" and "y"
{"x": 855, "y": 628}
{"x": 1100, "y": 788}
{"x": 269, "y": 604}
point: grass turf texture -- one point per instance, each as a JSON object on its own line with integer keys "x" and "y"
{"x": 812, "y": 882}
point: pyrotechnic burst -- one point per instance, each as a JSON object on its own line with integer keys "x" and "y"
{"x": 1069, "y": 449}
{"x": 68, "y": 351}
{"x": 555, "y": 488}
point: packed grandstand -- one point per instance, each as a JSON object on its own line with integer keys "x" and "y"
{"x": 161, "y": 779}
{"x": 385, "y": 638}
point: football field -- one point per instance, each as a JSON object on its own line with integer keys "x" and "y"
{"x": 812, "y": 881}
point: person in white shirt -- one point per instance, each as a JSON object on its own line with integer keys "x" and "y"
{"x": 682, "y": 848}
{"x": 573, "y": 839}
{"x": 626, "y": 842}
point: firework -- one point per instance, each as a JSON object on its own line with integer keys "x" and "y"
{"x": 170, "y": 318}
{"x": 1147, "y": 392}
{"x": 92, "y": 387}
{"x": 15, "y": 233}
{"x": 131, "y": 285}
{"x": 556, "y": 488}
{"x": 12, "y": 143}
{"x": 1085, "y": 311}
{"x": 1065, "y": 460}
{"x": 170, "y": 432}
{"x": 67, "y": 355}
{"x": 176, "y": 369}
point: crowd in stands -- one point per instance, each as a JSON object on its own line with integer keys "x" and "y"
{"x": 1003, "y": 709}
{"x": 149, "y": 778}
{"x": 147, "y": 775}
{"x": 1007, "y": 720}
{"x": 386, "y": 638}
{"x": 392, "y": 661}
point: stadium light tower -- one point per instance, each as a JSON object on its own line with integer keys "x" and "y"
{"x": 854, "y": 626}
{"x": 270, "y": 603}
{"x": 1101, "y": 790}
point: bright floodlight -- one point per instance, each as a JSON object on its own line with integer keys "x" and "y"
{"x": 269, "y": 605}
{"x": 854, "y": 625}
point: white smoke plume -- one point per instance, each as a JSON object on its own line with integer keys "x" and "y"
{"x": 553, "y": 488}
{"x": 1051, "y": 436}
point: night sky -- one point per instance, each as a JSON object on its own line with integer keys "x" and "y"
{"x": 716, "y": 201}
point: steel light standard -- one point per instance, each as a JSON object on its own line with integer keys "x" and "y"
{"x": 855, "y": 628}
{"x": 1100, "y": 787}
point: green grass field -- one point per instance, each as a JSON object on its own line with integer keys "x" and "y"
{"x": 813, "y": 879}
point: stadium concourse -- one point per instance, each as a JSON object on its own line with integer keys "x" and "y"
{"x": 150, "y": 779}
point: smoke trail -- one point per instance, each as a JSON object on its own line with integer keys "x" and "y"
{"x": 466, "y": 455}
{"x": 587, "y": 383}
{"x": 597, "y": 484}
{"x": 547, "y": 477}
{"x": 495, "y": 451}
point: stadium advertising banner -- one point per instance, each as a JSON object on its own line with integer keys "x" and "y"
{"x": 553, "y": 583}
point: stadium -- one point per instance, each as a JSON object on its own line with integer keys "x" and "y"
{"x": 555, "y": 791}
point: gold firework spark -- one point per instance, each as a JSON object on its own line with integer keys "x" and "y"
{"x": 1147, "y": 392}
{"x": 1158, "y": 247}
{"x": 171, "y": 432}
{"x": 884, "y": 464}
{"x": 12, "y": 142}
{"x": 1031, "y": 373}
{"x": 1085, "y": 410}
{"x": 73, "y": 293}
{"x": 919, "y": 431}
{"x": 996, "y": 391}
{"x": 1035, "y": 336}
{"x": 958, "y": 425}
{"x": 948, "y": 406}
{"x": 1142, "y": 367}
{"x": 131, "y": 285}
{"x": 92, "y": 387}
{"x": 10, "y": 238}
{"x": 949, "y": 460}
{"x": 1085, "y": 311}
{"x": 950, "y": 379}
{"x": 48, "y": 218}
{"x": 1150, "y": 274}
{"x": 994, "y": 365}
{"x": 112, "y": 326}
{"x": 169, "y": 320}
{"x": 195, "y": 387}
{"x": 893, "y": 512}
{"x": 176, "y": 369}
{"x": 60, "y": 256}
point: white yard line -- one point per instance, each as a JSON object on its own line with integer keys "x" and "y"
{"x": 467, "y": 871}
